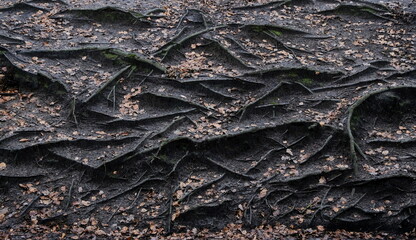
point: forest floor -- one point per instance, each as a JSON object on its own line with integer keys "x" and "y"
{"x": 289, "y": 119}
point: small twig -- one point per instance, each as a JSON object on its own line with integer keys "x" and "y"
{"x": 305, "y": 87}
{"x": 169, "y": 217}
{"x": 73, "y": 110}
{"x": 333, "y": 87}
{"x": 169, "y": 126}
{"x": 321, "y": 207}
{"x": 269, "y": 4}
{"x": 144, "y": 79}
{"x": 182, "y": 18}
{"x": 203, "y": 186}
{"x": 259, "y": 99}
{"x": 262, "y": 158}
{"x": 115, "y": 77}
{"x": 28, "y": 206}
{"x": 248, "y": 207}
{"x": 192, "y": 121}
{"x": 242, "y": 49}
{"x": 177, "y": 163}
{"x": 319, "y": 150}
{"x": 228, "y": 169}
{"x": 128, "y": 189}
{"x": 113, "y": 214}
{"x": 350, "y": 206}
{"x": 283, "y": 198}
{"x": 69, "y": 195}
{"x": 216, "y": 92}
{"x": 358, "y": 148}
{"x": 135, "y": 200}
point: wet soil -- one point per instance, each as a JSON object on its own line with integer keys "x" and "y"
{"x": 143, "y": 118}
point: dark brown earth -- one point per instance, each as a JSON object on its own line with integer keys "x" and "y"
{"x": 203, "y": 119}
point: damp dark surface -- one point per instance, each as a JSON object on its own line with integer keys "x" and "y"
{"x": 183, "y": 115}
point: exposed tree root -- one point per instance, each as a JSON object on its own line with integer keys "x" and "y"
{"x": 227, "y": 169}
{"x": 201, "y": 188}
{"x": 179, "y": 41}
{"x": 108, "y": 14}
{"x": 356, "y": 10}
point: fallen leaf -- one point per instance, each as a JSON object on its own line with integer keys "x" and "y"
{"x": 2, "y": 166}
{"x": 263, "y": 193}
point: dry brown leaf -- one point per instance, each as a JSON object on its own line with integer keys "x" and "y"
{"x": 2, "y": 166}
{"x": 263, "y": 193}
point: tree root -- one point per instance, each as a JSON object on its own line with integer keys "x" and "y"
{"x": 318, "y": 151}
{"x": 360, "y": 83}
{"x": 23, "y": 6}
{"x": 228, "y": 54}
{"x": 349, "y": 207}
{"x": 30, "y": 205}
{"x": 41, "y": 79}
{"x": 265, "y": 5}
{"x": 227, "y": 169}
{"x": 357, "y": 11}
{"x": 392, "y": 142}
{"x": 201, "y": 188}
{"x": 10, "y": 41}
{"x": 170, "y": 126}
{"x": 273, "y": 29}
{"x": 227, "y": 79}
{"x": 115, "y": 77}
{"x": 281, "y": 45}
{"x": 146, "y": 119}
{"x": 119, "y": 56}
{"x": 245, "y": 108}
{"x": 262, "y": 158}
{"x": 177, "y": 163}
{"x": 321, "y": 207}
{"x": 351, "y": 121}
{"x": 205, "y": 86}
{"x": 242, "y": 50}
{"x": 171, "y": 45}
{"x": 172, "y": 98}
{"x": 108, "y": 14}
{"x": 273, "y": 5}
{"x": 139, "y": 183}
{"x": 69, "y": 196}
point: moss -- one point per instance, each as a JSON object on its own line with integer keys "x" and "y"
{"x": 133, "y": 68}
{"x": 257, "y": 28}
{"x": 292, "y": 75}
{"x": 273, "y": 100}
{"x": 136, "y": 15}
{"x": 367, "y": 9}
{"x": 275, "y": 32}
{"x": 123, "y": 58}
{"x": 110, "y": 55}
{"x": 307, "y": 81}
{"x": 266, "y": 29}
{"x": 131, "y": 55}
